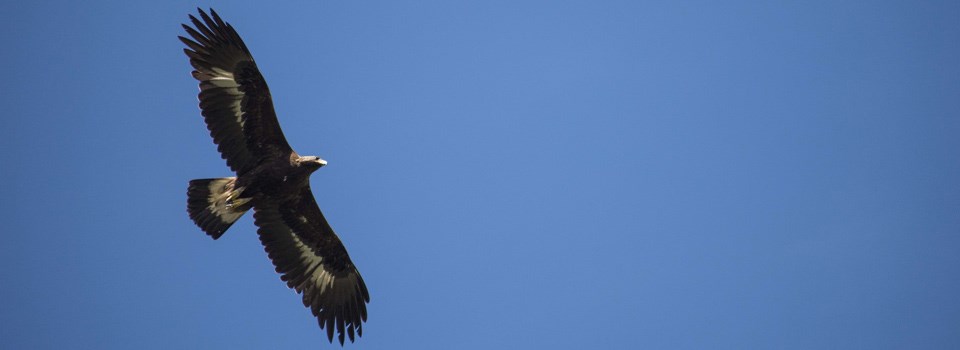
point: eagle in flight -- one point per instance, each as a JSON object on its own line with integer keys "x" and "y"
{"x": 272, "y": 179}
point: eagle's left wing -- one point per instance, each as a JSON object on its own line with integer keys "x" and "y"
{"x": 234, "y": 98}
{"x": 313, "y": 261}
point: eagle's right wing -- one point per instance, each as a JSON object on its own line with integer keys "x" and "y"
{"x": 234, "y": 97}
{"x": 313, "y": 261}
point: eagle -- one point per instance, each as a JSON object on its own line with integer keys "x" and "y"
{"x": 271, "y": 178}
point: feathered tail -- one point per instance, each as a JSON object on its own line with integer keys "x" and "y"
{"x": 214, "y": 204}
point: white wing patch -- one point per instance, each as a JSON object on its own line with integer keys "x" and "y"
{"x": 221, "y": 74}
{"x": 225, "y": 82}
{"x": 320, "y": 279}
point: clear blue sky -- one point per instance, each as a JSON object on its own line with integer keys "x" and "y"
{"x": 506, "y": 174}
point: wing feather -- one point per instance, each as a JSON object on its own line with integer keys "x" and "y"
{"x": 234, "y": 98}
{"x": 313, "y": 261}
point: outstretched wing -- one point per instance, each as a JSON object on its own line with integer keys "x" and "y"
{"x": 234, "y": 98}
{"x": 313, "y": 261}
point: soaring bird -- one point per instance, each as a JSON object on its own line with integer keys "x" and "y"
{"x": 271, "y": 179}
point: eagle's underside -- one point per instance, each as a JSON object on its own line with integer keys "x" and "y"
{"x": 272, "y": 179}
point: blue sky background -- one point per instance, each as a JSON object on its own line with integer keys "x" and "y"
{"x": 506, "y": 174}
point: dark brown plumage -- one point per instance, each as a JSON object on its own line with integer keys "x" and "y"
{"x": 272, "y": 179}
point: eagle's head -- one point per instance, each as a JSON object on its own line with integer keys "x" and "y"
{"x": 311, "y": 163}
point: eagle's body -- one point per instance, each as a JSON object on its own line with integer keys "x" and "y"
{"x": 272, "y": 179}
{"x": 280, "y": 178}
